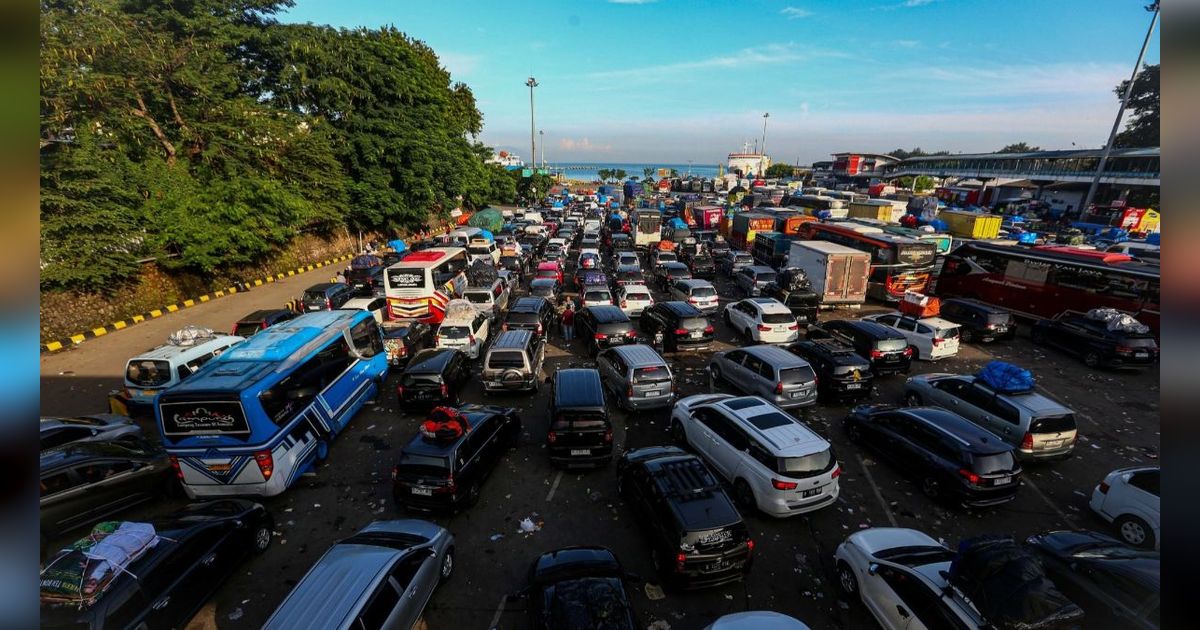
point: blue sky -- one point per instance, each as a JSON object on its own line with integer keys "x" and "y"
{"x": 679, "y": 80}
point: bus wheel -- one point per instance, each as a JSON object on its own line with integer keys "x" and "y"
{"x": 322, "y": 451}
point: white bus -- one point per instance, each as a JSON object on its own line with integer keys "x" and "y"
{"x": 423, "y": 283}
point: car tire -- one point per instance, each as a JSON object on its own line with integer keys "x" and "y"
{"x": 472, "y": 494}
{"x": 744, "y": 495}
{"x": 1134, "y": 531}
{"x": 1092, "y": 359}
{"x": 916, "y": 354}
{"x": 965, "y": 335}
{"x": 846, "y": 579}
{"x": 716, "y": 374}
{"x": 446, "y": 570}
{"x": 262, "y": 538}
{"x": 931, "y": 488}
{"x": 749, "y": 337}
{"x": 913, "y": 399}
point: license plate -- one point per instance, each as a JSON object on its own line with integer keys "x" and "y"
{"x": 651, "y": 392}
{"x": 1051, "y": 443}
{"x": 804, "y": 494}
{"x": 220, "y": 468}
{"x": 892, "y": 358}
{"x": 581, "y": 451}
{"x": 853, "y": 385}
{"x": 796, "y": 394}
{"x": 424, "y": 492}
{"x": 695, "y": 334}
{"x": 717, "y": 566}
{"x": 1140, "y": 355}
{"x": 1002, "y": 481}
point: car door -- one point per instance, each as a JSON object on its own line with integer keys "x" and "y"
{"x": 1141, "y": 491}
{"x": 726, "y": 442}
{"x": 731, "y": 366}
{"x": 749, "y": 375}
{"x": 881, "y": 596}
{"x": 980, "y": 406}
{"x": 947, "y": 393}
{"x": 112, "y": 485}
{"x": 700, "y": 431}
{"x": 64, "y": 500}
{"x": 183, "y": 580}
{"x": 908, "y": 327}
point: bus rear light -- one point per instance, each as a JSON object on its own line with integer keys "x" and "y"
{"x": 266, "y": 463}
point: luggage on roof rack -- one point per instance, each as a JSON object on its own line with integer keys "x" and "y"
{"x": 190, "y": 335}
{"x": 81, "y": 573}
{"x": 1006, "y": 378}
{"x": 1117, "y": 321}
{"x": 1009, "y": 587}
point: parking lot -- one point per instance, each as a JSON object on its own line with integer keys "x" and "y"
{"x": 1117, "y": 413}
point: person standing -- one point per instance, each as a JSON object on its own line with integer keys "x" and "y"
{"x": 340, "y": 278}
{"x": 568, "y": 323}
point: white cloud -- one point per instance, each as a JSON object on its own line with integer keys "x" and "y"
{"x": 1018, "y": 80}
{"x": 583, "y": 145}
{"x": 766, "y": 54}
{"x": 795, "y": 13}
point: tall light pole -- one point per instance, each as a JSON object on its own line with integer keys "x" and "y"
{"x": 532, "y": 83}
{"x": 542, "y": 141}
{"x": 763, "y": 154}
{"x": 1112, "y": 135}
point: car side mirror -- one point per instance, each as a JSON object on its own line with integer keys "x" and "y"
{"x": 873, "y": 568}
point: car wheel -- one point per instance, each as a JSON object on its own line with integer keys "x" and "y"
{"x": 1091, "y": 359}
{"x": 473, "y": 493}
{"x": 749, "y": 336}
{"x": 965, "y": 335}
{"x": 846, "y": 578}
{"x": 931, "y": 488}
{"x": 912, "y": 399}
{"x": 716, "y": 374}
{"x": 853, "y": 433}
{"x": 1135, "y": 531}
{"x": 262, "y": 538}
{"x": 447, "y": 566}
{"x": 679, "y": 434}
{"x": 744, "y": 495}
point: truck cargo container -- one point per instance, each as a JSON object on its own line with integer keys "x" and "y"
{"x": 838, "y": 273}
{"x": 880, "y": 209}
{"x": 771, "y": 248}
{"x": 976, "y": 225}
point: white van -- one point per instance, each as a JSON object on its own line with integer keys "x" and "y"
{"x": 483, "y": 249}
{"x": 534, "y": 217}
{"x": 490, "y": 300}
{"x": 464, "y": 328}
{"x": 155, "y": 370}
{"x": 461, "y": 236}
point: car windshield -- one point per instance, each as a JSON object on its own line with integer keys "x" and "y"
{"x": 479, "y": 297}
{"x": 1053, "y": 424}
{"x": 778, "y": 318}
{"x": 506, "y": 359}
{"x": 805, "y": 466}
{"x": 993, "y": 463}
{"x": 655, "y": 374}
{"x": 454, "y": 332}
{"x": 148, "y": 373}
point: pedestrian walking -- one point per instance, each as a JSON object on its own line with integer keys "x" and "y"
{"x": 340, "y": 278}
{"x": 568, "y": 323}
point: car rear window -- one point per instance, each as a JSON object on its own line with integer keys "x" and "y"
{"x": 764, "y": 276}
{"x": 479, "y": 297}
{"x": 642, "y": 297}
{"x": 694, "y": 322}
{"x": 1053, "y": 424}
{"x": 506, "y": 359}
{"x": 429, "y": 465}
{"x": 547, "y": 273}
{"x": 703, "y": 292}
{"x": 655, "y": 374}
{"x": 413, "y": 380}
{"x": 948, "y": 333}
{"x": 247, "y": 329}
{"x": 595, "y": 296}
{"x": 993, "y": 463}
{"x": 998, "y": 318}
{"x": 743, "y": 258}
{"x": 576, "y": 420}
{"x": 454, "y": 332}
{"x": 1139, "y": 342}
{"x": 522, "y": 317}
{"x": 844, "y": 370}
{"x": 148, "y": 373}
{"x": 313, "y": 297}
{"x": 778, "y": 318}
{"x": 891, "y": 345}
{"x": 797, "y": 375}
{"x": 807, "y": 465}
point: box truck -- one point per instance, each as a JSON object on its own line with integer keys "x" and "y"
{"x": 838, "y": 273}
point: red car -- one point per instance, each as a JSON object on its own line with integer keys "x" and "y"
{"x": 550, "y": 270}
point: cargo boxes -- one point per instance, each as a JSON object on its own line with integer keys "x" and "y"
{"x": 838, "y": 273}
{"x": 977, "y": 225}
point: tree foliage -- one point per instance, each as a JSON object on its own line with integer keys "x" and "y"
{"x": 779, "y": 171}
{"x": 1019, "y": 147}
{"x": 207, "y": 134}
{"x": 1142, "y": 127}
{"x": 914, "y": 152}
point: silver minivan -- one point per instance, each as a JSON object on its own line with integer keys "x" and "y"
{"x": 1038, "y": 427}
{"x": 769, "y": 372}
{"x": 637, "y": 376}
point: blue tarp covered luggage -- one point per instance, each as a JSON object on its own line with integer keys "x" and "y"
{"x": 1006, "y": 377}
{"x": 487, "y": 234}
{"x": 1154, "y": 239}
{"x": 1027, "y": 238}
{"x": 365, "y": 261}
{"x": 397, "y": 245}
{"x": 677, "y": 224}
{"x": 939, "y": 225}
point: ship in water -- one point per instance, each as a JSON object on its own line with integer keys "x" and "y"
{"x": 747, "y": 162}
{"x": 510, "y": 161}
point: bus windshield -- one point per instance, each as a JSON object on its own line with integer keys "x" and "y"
{"x": 406, "y": 278}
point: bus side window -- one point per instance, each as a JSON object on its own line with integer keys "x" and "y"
{"x": 366, "y": 337}
{"x": 334, "y": 360}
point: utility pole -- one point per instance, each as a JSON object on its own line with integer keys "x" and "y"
{"x": 1112, "y": 135}
{"x": 542, "y": 141}
{"x": 532, "y": 83}
{"x": 762, "y": 168}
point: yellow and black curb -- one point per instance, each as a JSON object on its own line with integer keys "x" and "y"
{"x": 74, "y": 340}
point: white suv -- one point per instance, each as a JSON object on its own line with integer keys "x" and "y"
{"x": 633, "y": 299}
{"x": 763, "y": 320}
{"x": 930, "y": 338}
{"x": 774, "y": 462}
{"x": 1128, "y": 498}
{"x": 464, "y": 328}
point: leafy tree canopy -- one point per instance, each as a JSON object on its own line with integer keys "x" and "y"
{"x": 1142, "y": 126}
{"x": 1019, "y": 147}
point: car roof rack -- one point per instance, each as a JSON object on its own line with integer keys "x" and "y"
{"x": 685, "y": 480}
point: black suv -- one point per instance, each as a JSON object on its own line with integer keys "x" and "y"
{"x": 886, "y": 348}
{"x": 531, "y": 313}
{"x": 841, "y": 373}
{"x": 367, "y": 282}
{"x": 604, "y": 326}
{"x": 682, "y": 325}
{"x": 436, "y": 472}
{"x": 951, "y": 457}
{"x": 581, "y": 432}
{"x": 702, "y": 265}
{"x": 803, "y": 303}
{"x": 404, "y": 341}
{"x": 433, "y": 377}
{"x": 697, "y": 538}
{"x": 260, "y": 320}
{"x": 670, "y": 272}
{"x": 628, "y": 274}
{"x": 1091, "y": 340}
{"x": 326, "y": 296}
{"x": 978, "y": 321}
{"x": 579, "y": 587}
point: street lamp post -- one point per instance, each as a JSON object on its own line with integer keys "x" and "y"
{"x": 532, "y": 83}
{"x": 762, "y": 158}
{"x": 542, "y": 141}
{"x": 1112, "y": 135}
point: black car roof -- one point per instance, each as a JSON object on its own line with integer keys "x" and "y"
{"x": 693, "y": 492}
{"x": 682, "y": 309}
{"x": 875, "y": 329}
{"x": 430, "y": 361}
{"x": 578, "y": 387}
{"x": 833, "y": 349}
{"x": 575, "y": 562}
{"x": 531, "y": 303}
{"x": 968, "y": 435}
{"x": 421, "y": 445}
{"x": 264, "y": 315}
{"x": 608, "y": 314}
{"x": 323, "y": 287}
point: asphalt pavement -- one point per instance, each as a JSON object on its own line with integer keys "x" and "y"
{"x": 1117, "y": 412}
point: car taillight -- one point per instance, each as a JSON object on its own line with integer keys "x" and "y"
{"x": 450, "y": 486}
{"x": 794, "y": 327}
{"x": 471, "y": 339}
{"x": 538, "y": 330}
{"x": 991, "y": 327}
{"x": 680, "y": 560}
{"x": 504, "y": 326}
{"x": 708, "y": 330}
{"x": 395, "y": 472}
{"x": 266, "y": 463}
{"x": 551, "y": 437}
{"x": 784, "y": 485}
{"x": 1103, "y": 487}
{"x": 233, "y": 331}
{"x": 630, "y": 333}
{"x": 608, "y": 435}
{"x": 750, "y": 545}
{"x": 328, "y": 304}
{"x": 600, "y": 336}
{"x": 400, "y": 392}
{"x": 779, "y": 387}
{"x": 445, "y": 390}
{"x": 681, "y": 331}
{"x": 876, "y": 354}
{"x": 908, "y": 352}
{"x": 629, "y": 391}
{"x": 1027, "y": 441}
{"x": 937, "y": 340}
{"x": 764, "y": 328}
{"x": 1124, "y": 349}
{"x": 837, "y": 472}
{"x": 692, "y": 300}
{"x": 179, "y": 471}
{"x": 624, "y": 304}
{"x": 971, "y": 477}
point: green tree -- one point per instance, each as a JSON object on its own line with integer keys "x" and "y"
{"x": 914, "y": 152}
{"x": 1019, "y": 147}
{"x": 619, "y": 174}
{"x": 1142, "y": 127}
{"x": 604, "y": 174}
{"x": 647, "y": 172}
{"x": 674, "y": 173}
{"x": 779, "y": 171}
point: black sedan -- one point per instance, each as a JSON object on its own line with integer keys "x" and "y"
{"x": 579, "y": 587}
{"x": 197, "y": 549}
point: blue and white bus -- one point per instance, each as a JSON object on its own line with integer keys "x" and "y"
{"x": 254, "y": 419}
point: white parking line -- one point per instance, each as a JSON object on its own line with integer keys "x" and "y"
{"x": 499, "y": 611}
{"x": 874, "y": 488}
{"x": 1046, "y": 499}
{"x": 554, "y": 486}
